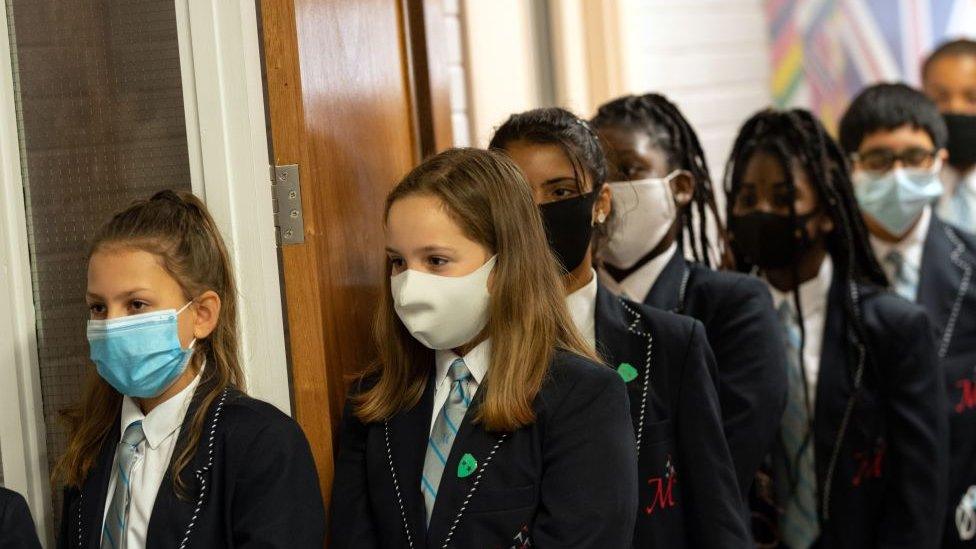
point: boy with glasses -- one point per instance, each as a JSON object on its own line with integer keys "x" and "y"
{"x": 896, "y": 139}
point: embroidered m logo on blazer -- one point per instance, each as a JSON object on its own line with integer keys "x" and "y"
{"x": 663, "y": 489}
{"x": 967, "y": 397}
{"x": 869, "y": 464}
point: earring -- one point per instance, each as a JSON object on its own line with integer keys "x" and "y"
{"x": 601, "y": 218}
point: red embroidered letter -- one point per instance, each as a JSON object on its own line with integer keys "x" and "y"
{"x": 968, "y": 400}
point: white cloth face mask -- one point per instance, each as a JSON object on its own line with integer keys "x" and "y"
{"x": 643, "y": 212}
{"x": 443, "y": 312}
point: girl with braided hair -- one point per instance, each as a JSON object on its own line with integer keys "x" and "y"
{"x": 661, "y": 179}
{"x": 861, "y": 457}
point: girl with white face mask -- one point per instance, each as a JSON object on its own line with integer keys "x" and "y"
{"x": 660, "y": 178}
{"x": 486, "y": 420}
{"x": 687, "y": 494}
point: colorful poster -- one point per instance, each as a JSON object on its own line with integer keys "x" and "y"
{"x": 824, "y": 51}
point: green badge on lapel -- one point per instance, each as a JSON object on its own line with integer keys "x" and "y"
{"x": 627, "y": 372}
{"x": 467, "y": 465}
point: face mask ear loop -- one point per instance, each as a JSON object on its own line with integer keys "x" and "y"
{"x": 673, "y": 202}
{"x": 183, "y": 308}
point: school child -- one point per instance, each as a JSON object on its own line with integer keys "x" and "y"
{"x": 687, "y": 488}
{"x": 896, "y": 140}
{"x": 862, "y": 454}
{"x": 166, "y": 450}
{"x": 660, "y": 177}
{"x": 17, "y": 529}
{"x": 949, "y": 79}
{"x": 486, "y": 421}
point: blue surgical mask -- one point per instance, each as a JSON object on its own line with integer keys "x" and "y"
{"x": 896, "y": 198}
{"x": 139, "y": 355}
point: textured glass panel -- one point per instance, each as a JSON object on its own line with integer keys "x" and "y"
{"x": 100, "y": 110}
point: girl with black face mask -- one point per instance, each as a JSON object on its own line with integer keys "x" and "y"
{"x": 862, "y": 458}
{"x": 688, "y": 495}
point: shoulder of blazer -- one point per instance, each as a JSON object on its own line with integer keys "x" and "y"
{"x": 572, "y": 376}
{"x": 888, "y": 317}
{"x": 243, "y": 418}
{"x": 727, "y": 287}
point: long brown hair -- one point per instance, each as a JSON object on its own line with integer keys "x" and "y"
{"x": 488, "y": 197}
{"x": 177, "y": 229}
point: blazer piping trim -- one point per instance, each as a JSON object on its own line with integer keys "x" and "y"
{"x": 967, "y": 275}
{"x": 632, "y": 328}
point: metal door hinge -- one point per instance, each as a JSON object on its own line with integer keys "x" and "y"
{"x": 286, "y": 200}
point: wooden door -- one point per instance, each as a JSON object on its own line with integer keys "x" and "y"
{"x": 355, "y": 100}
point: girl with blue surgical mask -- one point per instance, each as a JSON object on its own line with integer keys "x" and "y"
{"x": 166, "y": 449}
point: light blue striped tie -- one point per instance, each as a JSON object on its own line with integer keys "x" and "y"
{"x": 442, "y": 435}
{"x": 905, "y": 275}
{"x": 961, "y": 209}
{"x": 113, "y": 530}
{"x": 800, "y": 526}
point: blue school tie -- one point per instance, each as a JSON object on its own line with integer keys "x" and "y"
{"x": 442, "y": 435}
{"x": 905, "y": 275}
{"x": 800, "y": 526}
{"x": 113, "y": 530}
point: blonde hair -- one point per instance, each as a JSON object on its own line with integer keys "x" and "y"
{"x": 177, "y": 229}
{"x": 489, "y": 199}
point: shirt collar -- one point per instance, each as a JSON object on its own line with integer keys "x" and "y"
{"x": 166, "y": 418}
{"x": 476, "y": 360}
{"x": 910, "y": 247}
{"x": 636, "y": 286}
{"x": 813, "y": 292}
{"x": 582, "y": 306}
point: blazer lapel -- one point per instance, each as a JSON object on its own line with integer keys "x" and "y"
{"x": 625, "y": 342}
{"x": 472, "y": 439}
{"x": 172, "y": 514}
{"x": 666, "y": 292}
{"x": 95, "y": 492}
{"x": 408, "y": 434}
{"x": 945, "y": 266}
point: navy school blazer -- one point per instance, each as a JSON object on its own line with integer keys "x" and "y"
{"x": 567, "y": 480}
{"x": 880, "y": 452}
{"x": 17, "y": 529}
{"x": 947, "y": 292}
{"x": 687, "y": 486}
{"x": 252, "y": 483}
{"x": 743, "y": 332}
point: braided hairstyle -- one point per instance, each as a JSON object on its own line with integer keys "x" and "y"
{"x": 670, "y": 132}
{"x": 796, "y": 136}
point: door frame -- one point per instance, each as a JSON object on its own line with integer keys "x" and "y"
{"x": 223, "y": 98}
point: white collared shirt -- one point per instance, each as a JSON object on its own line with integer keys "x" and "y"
{"x": 476, "y": 360}
{"x": 582, "y": 309}
{"x": 910, "y": 247}
{"x": 962, "y": 188}
{"x": 813, "y": 301}
{"x": 636, "y": 286}
{"x": 161, "y": 427}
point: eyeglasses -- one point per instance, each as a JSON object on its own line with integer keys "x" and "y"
{"x": 882, "y": 160}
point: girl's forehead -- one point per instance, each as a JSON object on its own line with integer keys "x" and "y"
{"x": 112, "y": 270}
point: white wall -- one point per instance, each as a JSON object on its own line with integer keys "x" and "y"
{"x": 460, "y": 118}
{"x": 500, "y": 57}
{"x": 708, "y": 56}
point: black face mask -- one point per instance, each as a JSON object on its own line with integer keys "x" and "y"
{"x": 569, "y": 227}
{"x": 962, "y": 139}
{"x": 769, "y": 241}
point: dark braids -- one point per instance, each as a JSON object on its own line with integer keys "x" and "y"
{"x": 796, "y": 135}
{"x": 559, "y": 127}
{"x": 670, "y": 131}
